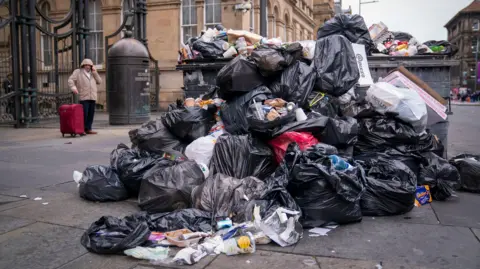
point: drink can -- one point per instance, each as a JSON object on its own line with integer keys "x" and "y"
{"x": 243, "y": 244}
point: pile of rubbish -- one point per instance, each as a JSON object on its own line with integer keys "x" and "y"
{"x": 287, "y": 141}
{"x": 404, "y": 44}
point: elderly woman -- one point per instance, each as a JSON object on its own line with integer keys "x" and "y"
{"x": 83, "y": 82}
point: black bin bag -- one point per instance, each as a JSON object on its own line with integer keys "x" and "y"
{"x": 189, "y": 124}
{"x": 209, "y": 49}
{"x": 271, "y": 61}
{"x": 295, "y": 84}
{"x": 226, "y": 196}
{"x": 323, "y": 193}
{"x": 242, "y": 156}
{"x": 131, "y": 165}
{"x": 153, "y": 136}
{"x": 442, "y": 177}
{"x": 352, "y": 27}
{"x": 468, "y": 166}
{"x": 336, "y": 66}
{"x": 168, "y": 188}
{"x": 100, "y": 183}
{"x": 234, "y": 113}
{"x": 389, "y": 186}
{"x": 110, "y": 235}
{"x": 238, "y": 77}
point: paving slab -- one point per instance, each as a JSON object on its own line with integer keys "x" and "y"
{"x": 276, "y": 248}
{"x": 72, "y": 211}
{"x": 68, "y": 187}
{"x": 411, "y": 244}
{"x": 335, "y": 263}
{"x": 419, "y": 215}
{"x": 40, "y": 246}
{"x": 8, "y": 224}
{"x": 459, "y": 211}
{"x": 7, "y": 202}
{"x": 264, "y": 259}
{"x": 91, "y": 261}
{"x": 200, "y": 265}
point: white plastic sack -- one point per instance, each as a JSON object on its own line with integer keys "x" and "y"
{"x": 409, "y": 106}
{"x": 201, "y": 150}
{"x": 308, "y": 48}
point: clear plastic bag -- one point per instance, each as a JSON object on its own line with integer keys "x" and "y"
{"x": 201, "y": 150}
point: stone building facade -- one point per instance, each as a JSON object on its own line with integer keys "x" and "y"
{"x": 170, "y": 22}
{"x": 464, "y": 33}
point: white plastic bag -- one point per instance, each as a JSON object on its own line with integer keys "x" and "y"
{"x": 308, "y": 48}
{"x": 201, "y": 150}
{"x": 409, "y": 106}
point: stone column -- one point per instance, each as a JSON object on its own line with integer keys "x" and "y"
{"x": 290, "y": 33}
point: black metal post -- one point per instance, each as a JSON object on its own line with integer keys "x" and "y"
{"x": 33, "y": 58}
{"x": 143, "y": 10}
{"x": 24, "y": 49}
{"x": 263, "y": 18}
{"x": 138, "y": 22}
{"x": 74, "y": 45}
{"x": 81, "y": 26}
{"x": 86, "y": 29}
{"x": 15, "y": 64}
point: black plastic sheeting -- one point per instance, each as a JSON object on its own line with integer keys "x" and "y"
{"x": 336, "y": 65}
{"x": 271, "y": 61}
{"x": 323, "y": 193}
{"x": 110, "y": 235}
{"x": 153, "y": 136}
{"x": 225, "y": 196}
{"x": 242, "y": 156}
{"x": 402, "y": 36}
{"x": 442, "y": 177}
{"x": 166, "y": 188}
{"x": 295, "y": 84}
{"x": 209, "y": 49}
{"x": 234, "y": 113}
{"x": 131, "y": 165}
{"x": 389, "y": 186}
{"x": 238, "y": 77}
{"x": 100, "y": 183}
{"x": 468, "y": 166}
{"x": 189, "y": 124}
{"x": 352, "y": 27}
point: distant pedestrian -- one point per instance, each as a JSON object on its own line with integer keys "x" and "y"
{"x": 84, "y": 82}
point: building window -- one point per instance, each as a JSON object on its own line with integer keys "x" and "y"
{"x": 475, "y": 25}
{"x": 46, "y": 41}
{"x": 213, "y": 13}
{"x": 189, "y": 20}
{"x": 474, "y": 45}
{"x": 96, "y": 30}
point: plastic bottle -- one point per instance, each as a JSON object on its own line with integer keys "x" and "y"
{"x": 339, "y": 163}
{"x": 241, "y": 45}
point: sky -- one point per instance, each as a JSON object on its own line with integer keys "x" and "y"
{"x": 424, "y": 19}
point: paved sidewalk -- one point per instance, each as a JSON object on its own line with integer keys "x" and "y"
{"x": 39, "y": 163}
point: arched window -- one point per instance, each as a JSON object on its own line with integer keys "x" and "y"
{"x": 275, "y": 18}
{"x": 213, "y": 13}
{"x": 188, "y": 18}
{"x": 96, "y": 30}
{"x": 46, "y": 41}
{"x": 285, "y": 34}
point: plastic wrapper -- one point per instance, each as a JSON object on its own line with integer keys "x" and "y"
{"x": 242, "y": 156}
{"x": 132, "y": 164}
{"x": 250, "y": 37}
{"x": 280, "y": 143}
{"x": 336, "y": 66}
{"x": 445, "y": 47}
{"x": 402, "y": 36}
{"x": 212, "y": 49}
{"x": 282, "y": 226}
{"x": 406, "y": 104}
{"x": 189, "y": 123}
{"x": 238, "y": 77}
{"x": 165, "y": 189}
{"x": 100, "y": 183}
{"x": 201, "y": 150}
{"x": 110, "y": 235}
{"x": 226, "y": 196}
{"x": 352, "y": 27}
{"x": 324, "y": 105}
{"x": 153, "y": 136}
{"x": 442, "y": 177}
{"x": 234, "y": 113}
{"x": 468, "y": 166}
{"x": 389, "y": 186}
{"x": 308, "y": 51}
{"x": 295, "y": 84}
{"x": 323, "y": 193}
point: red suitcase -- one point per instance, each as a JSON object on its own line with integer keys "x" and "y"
{"x": 71, "y": 119}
